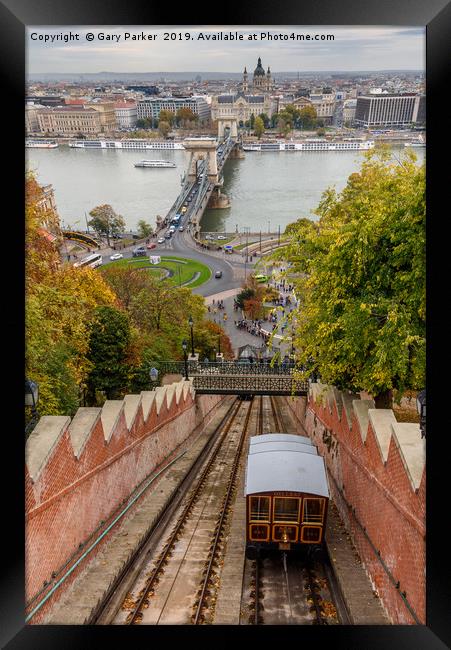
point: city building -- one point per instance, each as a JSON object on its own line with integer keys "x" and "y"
{"x": 242, "y": 106}
{"x": 251, "y": 99}
{"x": 107, "y": 113}
{"x": 151, "y": 107}
{"x": 69, "y": 120}
{"x": 386, "y": 109}
{"x": 31, "y": 118}
{"x": 349, "y": 106}
{"x": 126, "y": 114}
{"x": 324, "y": 102}
{"x": 261, "y": 81}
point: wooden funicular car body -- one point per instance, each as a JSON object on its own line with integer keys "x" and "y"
{"x": 287, "y": 494}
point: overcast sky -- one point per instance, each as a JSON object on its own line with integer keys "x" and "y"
{"x": 354, "y": 48}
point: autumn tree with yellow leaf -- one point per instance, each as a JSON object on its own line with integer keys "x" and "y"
{"x": 361, "y": 280}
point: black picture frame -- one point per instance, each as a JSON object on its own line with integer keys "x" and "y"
{"x": 15, "y": 15}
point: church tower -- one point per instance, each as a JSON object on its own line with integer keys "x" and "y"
{"x": 259, "y": 77}
{"x": 268, "y": 81}
{"x": 245, "y": 82}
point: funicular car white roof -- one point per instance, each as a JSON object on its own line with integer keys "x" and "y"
{"x": 277, "y": 437}
{"x": 282, "y": 470}
{"x": 282, "y": 446}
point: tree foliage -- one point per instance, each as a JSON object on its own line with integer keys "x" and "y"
{"x": 106, "y": 222}
{"x": 109, "y": 338}
{"x": 60, "y": 305}
{"x": 361, "y": 279}
{"x": 259, "y": 127}
{"x": 144, "y": 228}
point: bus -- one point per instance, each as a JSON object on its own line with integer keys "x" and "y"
{"x": 92, "y": 260}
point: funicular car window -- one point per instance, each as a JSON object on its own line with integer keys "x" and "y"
{"x": 310, "y": 534}
{"x": 285, "y": 533}
{"x": 259, "y": 532}
{"x": 259, "y": 510}
{"x": 286, "y": 509}
{"x": 313, "y": 511}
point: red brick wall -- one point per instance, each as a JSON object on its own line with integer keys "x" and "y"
{"x": 73, "y": 495}
{"x": 385, "y": 503}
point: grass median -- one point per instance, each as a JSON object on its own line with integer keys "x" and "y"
{"x": 182, "y": 271}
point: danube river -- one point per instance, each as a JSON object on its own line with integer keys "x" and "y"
{"x": 267, "y": 189}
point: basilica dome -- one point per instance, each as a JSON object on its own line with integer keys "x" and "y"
{"x": 259, "y": 72}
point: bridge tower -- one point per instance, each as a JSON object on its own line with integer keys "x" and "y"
{"x": 230, "y": 123}
{"x": 202, "y": 149}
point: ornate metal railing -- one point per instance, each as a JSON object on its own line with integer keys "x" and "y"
{"x": 229, "y": 377}
{"x": 223, "y": 368}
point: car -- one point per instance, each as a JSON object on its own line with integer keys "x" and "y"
{"x": 161, "y": 240}
{"x": 208, "y": 237}
{"x": 221, "y": 237}
{"x": 181, "y": 229}
{"x": 218, "y": 274}
{"x": 184, "y": 209}
{"x": 168, "y": 235}
{"x": 139, "y": 252}
{"x": 151, "y": 245}
{"x": 116, "y": 256}
{"x": 172, "y": 229}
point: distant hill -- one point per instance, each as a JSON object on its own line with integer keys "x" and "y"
{"x": 142, "y": 77}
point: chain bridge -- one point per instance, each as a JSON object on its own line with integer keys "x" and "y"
{"x": 236, "y": 378}
{"x": 202, "y": 182}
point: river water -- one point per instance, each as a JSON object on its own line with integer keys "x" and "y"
{"x": 267, "y": 189}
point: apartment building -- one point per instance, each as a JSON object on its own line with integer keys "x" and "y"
{"x": 385, "y": 109}
{"x": 151, "y": 107}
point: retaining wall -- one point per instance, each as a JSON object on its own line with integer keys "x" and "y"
{"x": 378, "y": 482}
{"x": 79, "y": 471}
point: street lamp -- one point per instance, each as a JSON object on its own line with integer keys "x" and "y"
{"x": 153, "y": 376}
{"x": 31, "y": 399}
{"x": 421, "y": 408}
{"x": 184, "y": 346}
{"x": 191, "y": 323}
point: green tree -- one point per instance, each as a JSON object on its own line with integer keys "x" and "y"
{"x": 164, "y": 128}
{"x": 166, "y": 116}
{"x": 144, "y": 228}
{"x": 266, "y": 120}
{"x": 245, "y": 294}
{"x": 185, "y": 115}
{"x": 144, "y": 123}
{"x": 106, "y": 222}
{"x": 259, "y": 127}
{"x": 108, "y": 346}
{"x": 307, "y": 117}
{"x": 361, "y": 281}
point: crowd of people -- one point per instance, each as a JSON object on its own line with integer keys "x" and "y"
{"x": 253, "y": 327}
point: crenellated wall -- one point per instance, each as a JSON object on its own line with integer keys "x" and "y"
{"x": 378, "y": 482}
{"x": 79, "y": 471}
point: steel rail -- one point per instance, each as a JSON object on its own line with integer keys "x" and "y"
{"x": 319, "y": 619}
{"x": 171, "y": 505}
{"x": 257, "y": 595}
{"x": 223, "y": 513}
{"x": 277, "y": 420}
{"x": 174, "y": 535}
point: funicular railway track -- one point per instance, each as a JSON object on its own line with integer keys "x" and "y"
{"x": 178, "y": 581}
{"x": 195, "y": 544}
{"x": 290, "y": 588}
